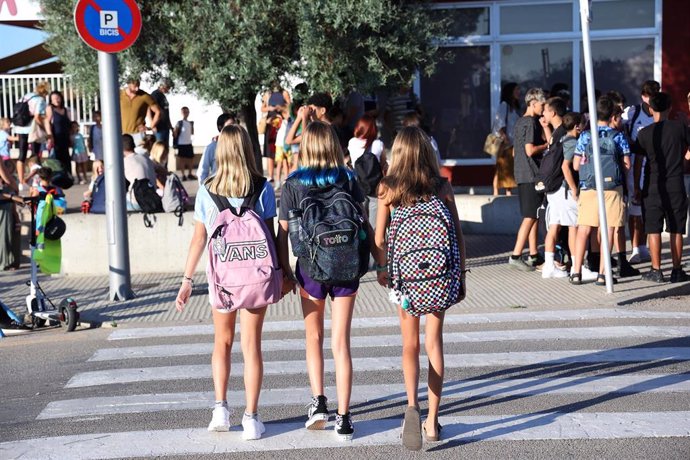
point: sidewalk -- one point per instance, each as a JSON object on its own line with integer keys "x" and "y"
{"x": 492, "y": 286}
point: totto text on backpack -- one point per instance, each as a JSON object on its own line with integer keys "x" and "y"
{"x": 424, "y": 258}
{"x": 175, "y": 197}
{"x": 550, "y": 176}
{"x": 369, "y": 173}
{"x": 610, "y": 163}
{"x": 21, "y": 114}
{"x": 243, "y": 269}
{"x": 332, "y": 243}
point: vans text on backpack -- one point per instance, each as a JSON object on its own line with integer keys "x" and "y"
{"x": 243, "y": 268}
{"x": 610, "y": 163}
{"x": 424, "y": 262}
{"x": 332, "y": 242}
{"x": 369, "y": 173}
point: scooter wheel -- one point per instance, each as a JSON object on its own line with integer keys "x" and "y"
{"x": 37, "y": 322}
{"x": 71, "y": 315}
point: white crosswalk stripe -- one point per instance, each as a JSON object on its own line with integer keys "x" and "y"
{"x": 651, "y": 363}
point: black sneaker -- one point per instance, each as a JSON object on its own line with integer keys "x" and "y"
{"x": 678, "y": 275}
{"x": 318, "y": 413}
{"x": 343, "y": 427}
{"x": 627, "y": 270}
{"x": 13, "y": 325}
{"x": 654, "y": 275}
{"x": 536, "y": 261}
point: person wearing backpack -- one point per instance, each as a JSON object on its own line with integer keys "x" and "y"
{"x": 426, "y": 275}
{"x": 34, "y": 105}
{"x": 368, "y": 158}
{"x": 235, "y": 204}
{"x": 615, "y": 160}
{"x": 137, "y": 167}
{"x": 321, "y": 212}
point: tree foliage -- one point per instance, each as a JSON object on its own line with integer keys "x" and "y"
{"x": 228, "y": 50}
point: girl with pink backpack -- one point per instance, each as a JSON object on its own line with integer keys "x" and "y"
{"x": 234, "y": 212}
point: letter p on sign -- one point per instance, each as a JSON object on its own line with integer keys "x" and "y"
{"x": 108, "y": 19}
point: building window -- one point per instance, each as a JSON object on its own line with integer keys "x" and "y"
{"x": 538, "y": 65}
{"x": 539, "y": 18}
{"x": 457, "y": 99}
{"x": 632, "y": 14}
{"x": 465, "y": 21}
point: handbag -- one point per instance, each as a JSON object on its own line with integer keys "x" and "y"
{"x": 494, "y": 142}
{"x": 261, "y": 126}
{"x": 38, "y": 133}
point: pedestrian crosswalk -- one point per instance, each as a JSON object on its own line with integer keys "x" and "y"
{"x": 597, "y": 375}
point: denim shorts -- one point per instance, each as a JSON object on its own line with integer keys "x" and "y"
{"x": 320, "y": 291}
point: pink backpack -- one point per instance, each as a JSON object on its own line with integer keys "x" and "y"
{"x": 243, "y": 269}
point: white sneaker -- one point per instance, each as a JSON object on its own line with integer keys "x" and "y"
{"x": 20, "y": 186}
{"x": 253, "y": 427}
{"x": 220, "y": 421}
{"x": 588, "y": 275}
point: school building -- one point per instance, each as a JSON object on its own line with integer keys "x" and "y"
{"x": 539, "y": 43}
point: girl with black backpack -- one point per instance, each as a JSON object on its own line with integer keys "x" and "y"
{"x": 426, "y": 275}
{"x": 339, "y": 245}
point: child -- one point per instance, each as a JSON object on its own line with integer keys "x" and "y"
{"x": 44, "y": 188}
{"x": 234, "y": 180}
{"x": 96, "y": 141}
{"x": 5, "y": 139}
{"x": 283, "y": 156}
{"x": 414, "y": 178}
{"x": 615, "y": 152}
{"x": 182, "y": 136}
{"x": 32, "y": 178}
{"x": 322, "y": 168}
{"x": 79, "y": 155}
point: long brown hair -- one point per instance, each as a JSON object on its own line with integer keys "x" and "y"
{"x": 414, "y": 174}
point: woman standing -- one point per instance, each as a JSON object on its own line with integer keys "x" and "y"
{"x": 37, "y": 107}
{"x": 506, "y": 116}
{"x": 60, "y": 129}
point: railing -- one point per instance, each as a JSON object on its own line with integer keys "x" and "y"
{"x": 14, "y": 87}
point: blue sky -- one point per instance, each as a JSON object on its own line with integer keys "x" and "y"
{"x": 22, "y": 38}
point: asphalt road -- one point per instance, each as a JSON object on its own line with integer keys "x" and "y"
{"x": 612, "y": 385}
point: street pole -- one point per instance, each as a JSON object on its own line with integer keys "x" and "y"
{"x": 115, "y": 206}
{"x": 585, "y": 18}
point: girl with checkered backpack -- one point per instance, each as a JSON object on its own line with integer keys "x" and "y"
{"x": 421, "y": 258}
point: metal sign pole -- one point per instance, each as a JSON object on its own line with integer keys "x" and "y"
{"x": 585, "y": 19}
{"x": 115, "y": 205}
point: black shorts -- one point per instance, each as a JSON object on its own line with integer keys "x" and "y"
{"x": 530, "y": 200}
{"x": 185, "y": 151}
{"x": 23, "y": 146}
{"x": 671, "y": 207}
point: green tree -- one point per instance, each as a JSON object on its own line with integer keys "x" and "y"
{"x": 227, "y": 51}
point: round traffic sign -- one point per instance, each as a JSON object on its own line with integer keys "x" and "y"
{"x": 108, "y": 25}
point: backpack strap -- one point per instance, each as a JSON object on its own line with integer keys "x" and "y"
{"x": 636, "y": 115}
{"x": 221, "y": 202}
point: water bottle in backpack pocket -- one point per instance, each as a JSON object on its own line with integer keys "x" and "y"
{"x": 331, "y": 243}
{"x": 424, "y": 261}
{"x": 243, "y": 269}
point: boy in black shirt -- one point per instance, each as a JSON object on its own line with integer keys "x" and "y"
{"x": 664, "y": 144}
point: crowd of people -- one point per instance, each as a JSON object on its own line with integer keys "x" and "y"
{"x": 644, "y": 161}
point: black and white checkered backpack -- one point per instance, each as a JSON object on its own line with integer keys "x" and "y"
{"x": 424, "y": 258}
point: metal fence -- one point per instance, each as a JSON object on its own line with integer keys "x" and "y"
{"x": 14, "y": 87}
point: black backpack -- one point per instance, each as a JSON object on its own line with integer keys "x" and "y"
{"x": 331, "y": 244}
{"x": 21, "y": 115}
{"x": 550, "y": 176}
{"x": 147, "y": 199}
{"x": 369, "y": 173}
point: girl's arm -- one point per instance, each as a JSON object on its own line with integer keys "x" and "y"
{"x": 382, "y": 221}
{"x": 448, "y": 197}
{"x": 290, "y": 137}
{"x": 196, "y": 248}
{"x": 284, "y": 258}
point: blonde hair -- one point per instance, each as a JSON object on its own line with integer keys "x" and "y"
{"x": 320, "y": 148}
{"x": 414, "y": 173}
{"x": 159, "y": 152}
{"x": 235, "y": 165}
{"x": 42, "y": 88}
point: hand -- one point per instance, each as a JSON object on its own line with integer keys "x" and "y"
{"x": 543, "y": 122}
{"x": 382, "y": 278}
{"x": 183, "y": 296}
{"x": 303, "y": 112}
{"x": 154, "y": 129}
{"x": 573, "y": 192}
